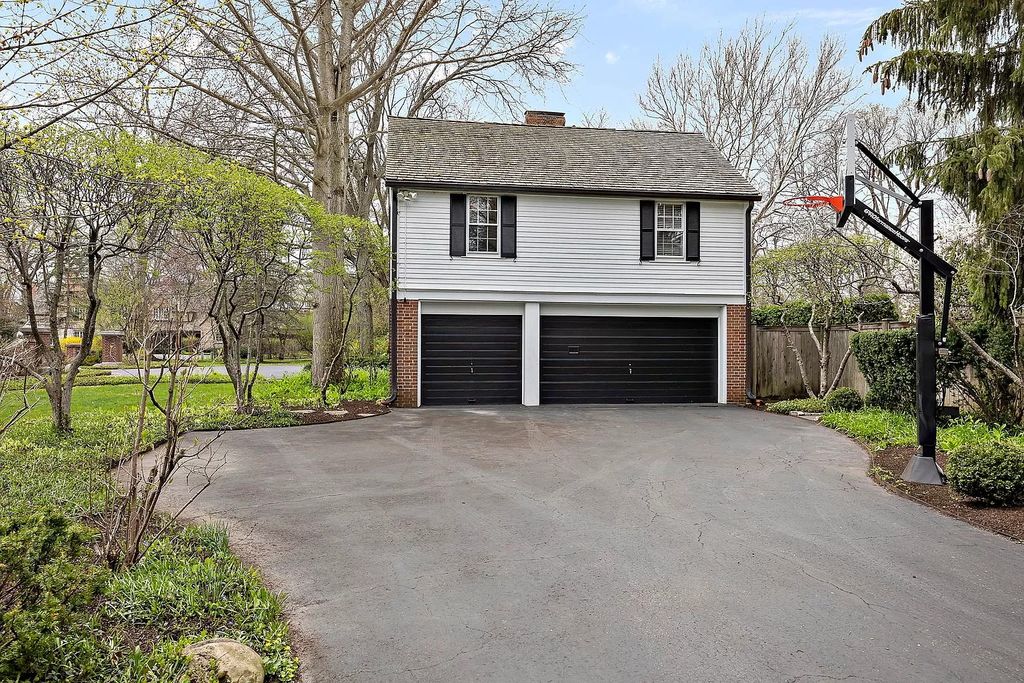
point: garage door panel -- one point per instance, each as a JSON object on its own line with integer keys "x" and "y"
{"x": 471, "y": 359}
{"x": 602, "y": 359}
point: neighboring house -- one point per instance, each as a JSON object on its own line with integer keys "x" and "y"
{"x": 543, "y": 264}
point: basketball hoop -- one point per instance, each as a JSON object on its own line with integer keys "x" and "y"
{"x": 816, "y": 202}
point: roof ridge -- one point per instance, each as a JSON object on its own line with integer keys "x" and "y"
{"x": 520, "y": 124}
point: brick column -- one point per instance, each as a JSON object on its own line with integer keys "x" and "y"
{"x": 408, "y": 353}
{"x": 113, "y": 347}
{"x": 736, "y": 354}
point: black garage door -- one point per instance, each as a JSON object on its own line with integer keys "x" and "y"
{"x": 471, "y": 359}
{"x": 600, "y": 359}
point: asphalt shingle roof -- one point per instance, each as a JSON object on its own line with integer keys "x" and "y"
{"x": 516, "y": 156}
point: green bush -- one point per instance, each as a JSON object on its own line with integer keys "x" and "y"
{"x": 869, "y": 308}
{"x": 843, "y": 400}
{"x": 874, "y": 426}
{"x": 101, "y": 380}
{"x": 804, "y": 405}
{"x": 47, "y": 586}
{"x": 994, "y": 395}
{"x": 992, "y": 472}
{"x": 887, "y": 359}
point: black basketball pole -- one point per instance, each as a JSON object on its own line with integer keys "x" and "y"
{"x": 922, "y": 468}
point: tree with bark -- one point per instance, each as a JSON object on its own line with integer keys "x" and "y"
{"x": 251, "y": 236}
{"x": 301, "y": 89}
{"x": 70, "y": 202}
{"x": 767, "y": 102}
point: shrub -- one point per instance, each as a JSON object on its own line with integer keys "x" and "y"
{"x": 843, "y": 400}
{"x": 46, "y": 587}
{"x": 996, "y": 398}
{"x": 991, "y": 472}
{"x": 887, "y": 359}
{"x": 804, "y": 405}
{"x": 869, "y": 308}
{"x": 878, "y": 428}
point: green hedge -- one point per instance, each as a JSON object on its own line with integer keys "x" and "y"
{"x": 868, "y": 309}
{"x": 97, "y": 380}
{"x": 887, "y": 359}
{"x": 843, "y": 400}
{"x": 804, "y": 405}
{"x": 991, "y": 472}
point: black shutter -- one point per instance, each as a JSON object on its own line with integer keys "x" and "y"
{"x": 693, "y": 231}
{"x": 508, "y": 227}
{"x": 646, "y": 231}
{"x": 457, "y": 236}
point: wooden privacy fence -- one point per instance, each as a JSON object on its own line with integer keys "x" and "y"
{"x": 776, "y": 374}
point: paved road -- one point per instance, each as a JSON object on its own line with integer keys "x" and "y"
{"x": 625, "y": 543}
{"x": 272, "y": 370}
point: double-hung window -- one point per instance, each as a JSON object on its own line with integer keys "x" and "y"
{"x": 670, "y": 230}
{"x": 482, "y": 224}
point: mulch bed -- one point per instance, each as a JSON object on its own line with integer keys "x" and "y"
{"x": 347, "y": 410}
{"x": 887, "y": 466}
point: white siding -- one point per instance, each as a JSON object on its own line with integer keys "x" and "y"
{"x": 571, "y": 246}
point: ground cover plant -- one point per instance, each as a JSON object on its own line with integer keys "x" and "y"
{"x": 803, "y": 405}
{"x": 70, "y": 617}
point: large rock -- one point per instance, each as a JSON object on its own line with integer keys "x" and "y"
{"x": 233, "y": 662}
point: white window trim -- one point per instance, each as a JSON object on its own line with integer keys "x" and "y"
{"x": 485, "y": 254}
{"x": 670, "y": 257}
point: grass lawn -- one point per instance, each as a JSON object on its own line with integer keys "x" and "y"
{"x": 120, "y": 398}
{"x": 881, "y": 429}
{"x": 73, "y": 618}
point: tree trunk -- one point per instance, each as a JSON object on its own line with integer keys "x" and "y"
{"x": 330, "y": 164}
{"x": 826, "y": 358}
{"x": 60, "y": 401}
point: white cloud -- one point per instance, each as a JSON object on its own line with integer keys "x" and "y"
{"x": 611, "y": 57}
{"x": 830, "y": 17}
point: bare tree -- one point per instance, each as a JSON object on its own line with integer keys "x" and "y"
{"x": 765, "y": 101}
{"x": 39, "y": 42}
{"x": 300, "y": 89}
{"x": 128, "y": 525}
{"x": 596, "y": 119}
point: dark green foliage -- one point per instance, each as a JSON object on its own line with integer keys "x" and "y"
{"x": 994, "y": 395}
{"x": 887, "y": 359}
{"x": 964, "y": 58}
{"x": 992, "y": 472}
{"x": 47, "y": 586}
{"x": 869, "y": 308}
{"x": 803, "y": 405}
{"x": 843, "y": 400}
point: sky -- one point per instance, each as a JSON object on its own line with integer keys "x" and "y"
{"x": 621, "y": 39}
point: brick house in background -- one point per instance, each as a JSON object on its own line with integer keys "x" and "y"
{"x": 541, "y": 264}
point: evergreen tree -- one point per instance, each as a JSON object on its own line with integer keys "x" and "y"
{"x": 962, "y": 58}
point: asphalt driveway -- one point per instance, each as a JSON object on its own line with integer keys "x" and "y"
{"x": 611, "y": 543}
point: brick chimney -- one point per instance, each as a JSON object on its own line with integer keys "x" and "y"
{"x": 545, "y": 118}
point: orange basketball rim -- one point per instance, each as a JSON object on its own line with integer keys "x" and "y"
{"x": 816, "y": 202}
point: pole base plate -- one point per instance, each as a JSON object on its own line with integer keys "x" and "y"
{"x": 924, "y": 470}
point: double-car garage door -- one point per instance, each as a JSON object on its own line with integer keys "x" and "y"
{"x": 467, "y": 359}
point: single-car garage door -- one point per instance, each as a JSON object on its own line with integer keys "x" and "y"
{"x": 471, "y": 359}
{"x": 602, "y": 359}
